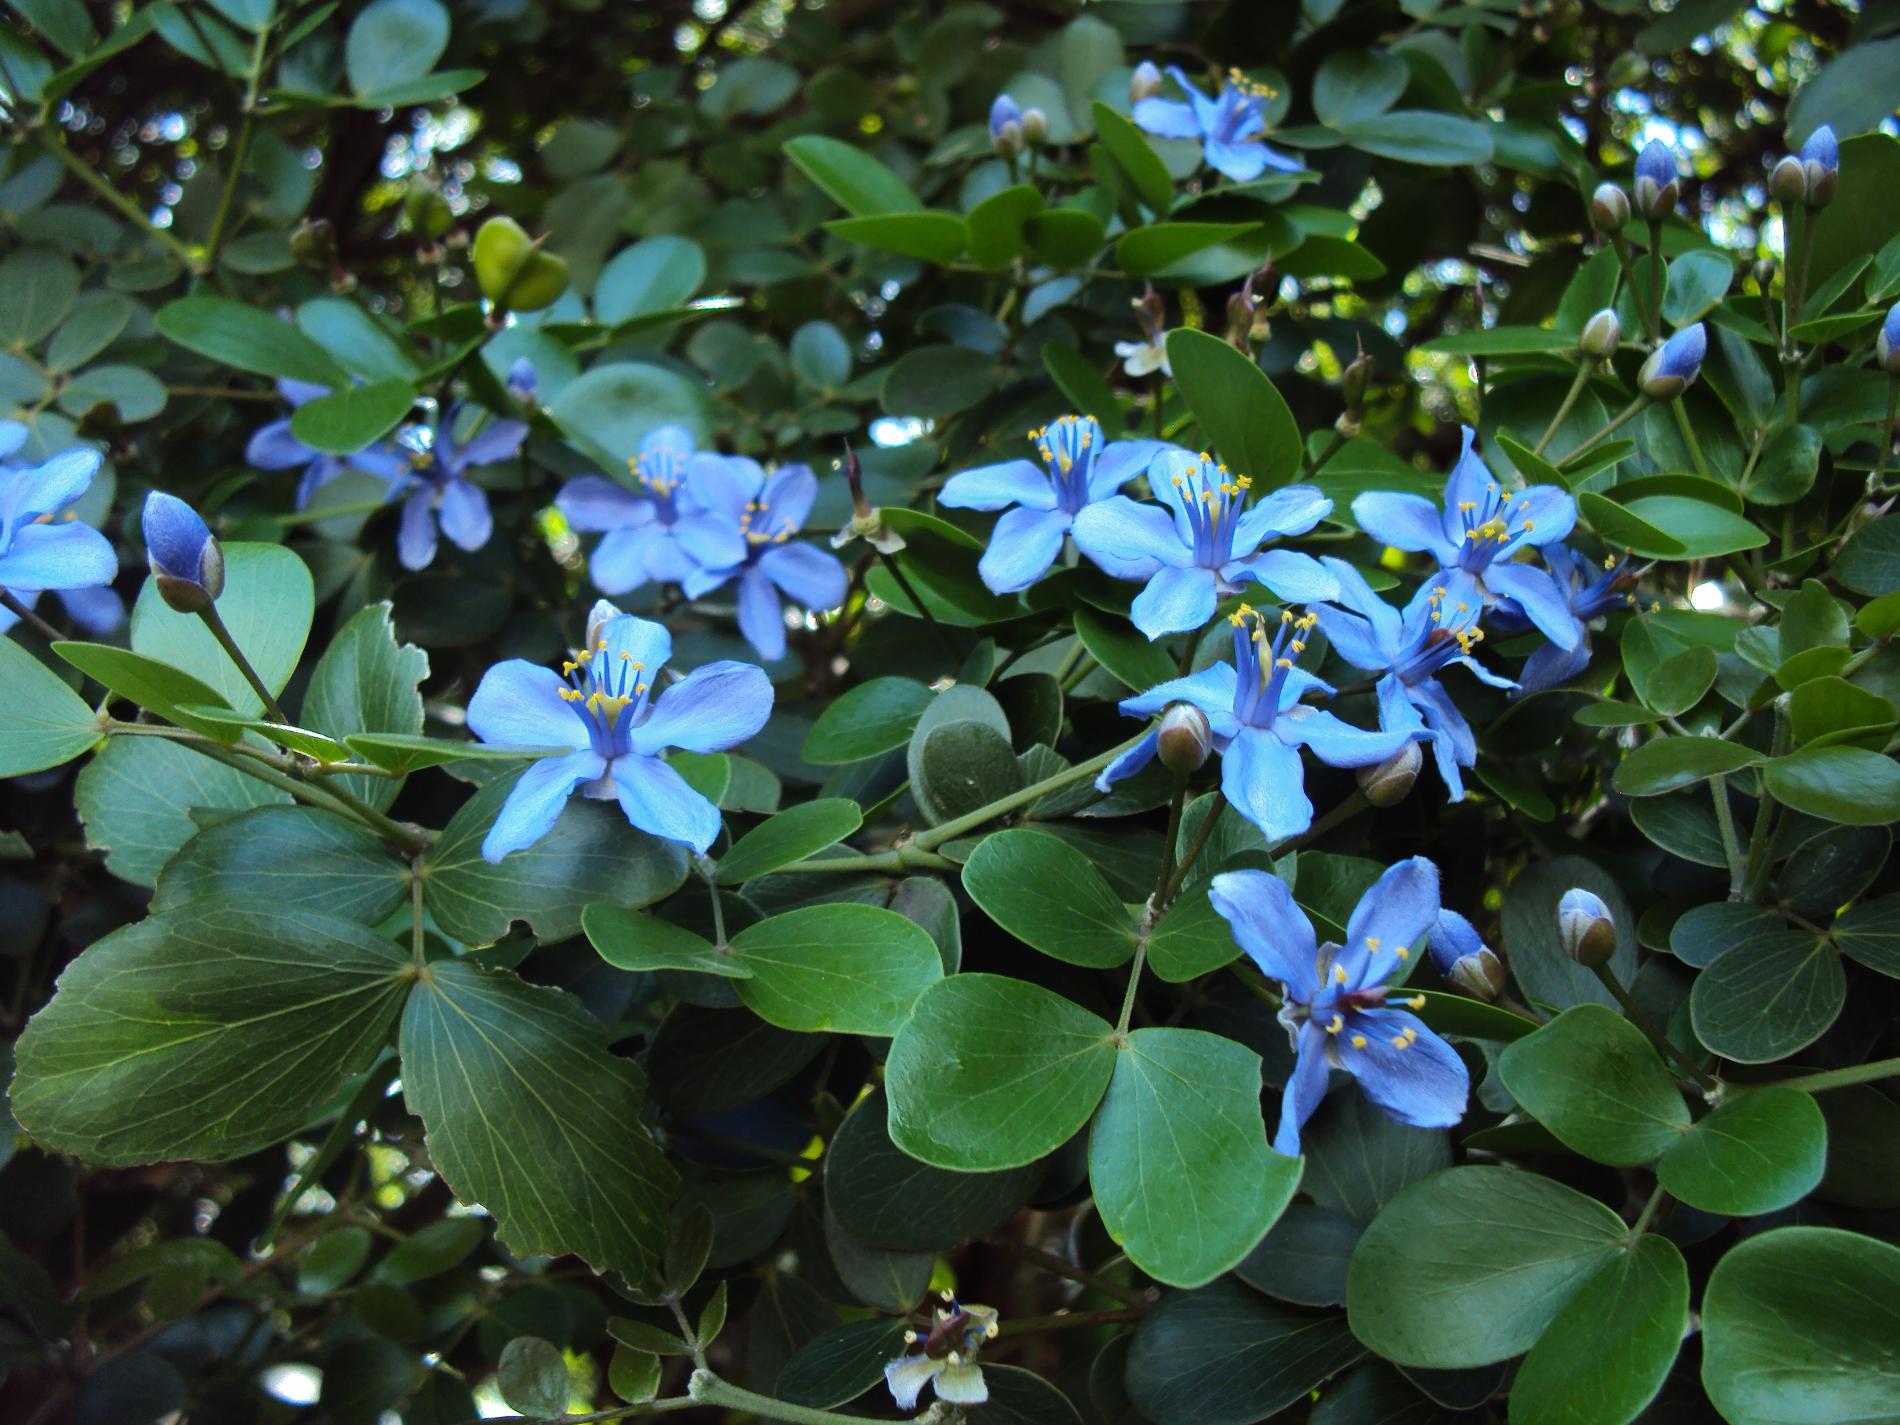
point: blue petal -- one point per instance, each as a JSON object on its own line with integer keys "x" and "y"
{"x": 715, "y": 707}
{"x": 99, "y": 609}
{"x": 1263, "y": 778}
{"x": 13, "y": 435}
{"x": 1470, "y": 482}
{"x": 1283, "y": 162}
{"x": 1023, "y": 545}
{"x": 1211, "y": 690}
{"x": 1275, "y": 932}
{"x": 1304, "y": 1089}
{"x": 761, "y": 619}
{"x": 1541, "y": 514}
{"x": 1336, "y": 743}
{"x": 700, "y": 582}
{"x": 1537, "y": 594}
{"x": 810, "y": 577}
{"x": 723, "y": 484}
{"x": 786, "y": 500}
{"x": 465, "y": 516}
{"x": 709, "y": 541}
{"x": 620, "y": 560}
{"x": 1352, "y": 638}
{"x": 1425, "y": 1085}
{"x": 1356, "y": 594}
{"x": 1175, "y": 601}
{"x": 519, "y": 704}
{"x": 626, "y": 638}
{"x": 1129, "y": 541}
{"x": 1396, "y": 713}
{"x": 300, "y": 393}
{"x": 47, "y": 489}
{"x": 1293, "y": 509}
{"x": 657, "y": 800}
{"x": 58, "y": 556}
{"x": 1551, "y": 666}
{"x": 1168, "y": 476}
{"x": 1485, "y": 675}
{"x": 415, "y": 540}
{"x": 273, "y": 447}
{"x": 1120, "y": 462}
{"x": 1294, "y": 577}
{"x": 1206, "y": 110}
{"x": 591, "y": 503}
{"x": 1404, "y": 522}
{"x": 1242, "y": 162}
{"x": 536, "y": 801}
{"x": 997, "y": 487}
{"x": 1129, "y": 763}
{"x": 1452, "y": 938}
{"x": 1453, "y": 746}
{"x": 1167, "y": 119}
{"x": 667, "y": 559}
{"x": 1398, "y": 912}
{"x": 495, "y": 443}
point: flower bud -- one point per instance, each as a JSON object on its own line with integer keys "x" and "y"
{"x": 598, "y": 617}
{"x": 1144, "y": 83}
{"x": 1764, "y": 275}
{"x": 1585, "y": 928}
{"x": 521, "y": 380}
{"x": 512, "y": 271}
{"x": 1184, "y": 739}
{"x": 1240, "y": 312}
{"x": 1463, "y": 958}
{"x": 313, "y": 244}
{"x": 1821, "y": 166}
{"x": 187, "y": 564}
{"x": 428, "y": 211}
{"x": 1887, "y": 344}
{"x": 1610, "y": 208}
{"x": 867, "y": 521}
{"x": 1657, "y": 188}
{"x": 1673, "y": 366}
{"x": 1391, "y": 781}
{"x": 1788, "y": 182}
{"x": 1354, "y": 381}
{"x": 1035, "y": 125}
{"x": 1006, "y": 126}
{"x": 1602, "y": 334}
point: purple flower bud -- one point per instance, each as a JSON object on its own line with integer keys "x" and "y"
{"x": 1004, "y": 112}
{"x": 521, "y": 380}
{"x": 1821, "y": 162}
{"x": 1670, "y": 370}
{"x": 1585, "y": 927}
{"x": 1463, "y": 958}
{"x": 1887, "y": 344}
{"x": 183, "y": 554}
{"x": 1656, "y": 185}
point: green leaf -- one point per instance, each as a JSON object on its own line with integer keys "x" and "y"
{"x": 874, "y": 717}
{"x": 154, "y": 685}
{"x": 1759, "y": 1152}
{"x": 367, "y": 682}
{"x": 611, "y": 409}
{"x": 410, "y": 752}
{"x": 1304, "y": 1258}
{"x": 228, "y": 724}
{"x": 1178, "y": 1156}
{"x": 1869, "y": 562}
{"x": 933, "y": 236}
{"x": 43, "y": 723}
{"x": 483, "y": 1057}
{"x": 1225, "y": 1355}
{"x": 1049, "y": 895}
{"x": 858, "y": 183}
{"x": 96, "y": 322}
{"x": 249, "y": 339}
{"x": 873, "y": 1189}
{"x": 1191, "y": 939}
{"x": 820, "y": 355}
{"x": 1239, "y": 409}
{"x": 39, "y": 288}
{"x": 267, "y": 604}
{"x": 1593, "y": 1079}
{"x": 1705, "y": 530}
{"x": 995, "y": 226}
{"x": 335, "y": 1257}
{"x": 1473, "y": 1019}
{"x": 878, "y": 1277}
{"x": 590, "y": 855}
{"x": 1082, "y": 382}
{"x": 1703, "y": 932}
{"x": 138, "y": 795}
{"x": 1844, "y": 784}
{"x": 1353, "y": 85}
{"x": 1870, "y": 934}
{"x": 655, "y": 274}
{"x": 1681, "y": 681}
{"x": 1609, "y": 1350}
{"x": 348, "y": 419}
{"x": 1147, "y": 250}
{"x": 1628, "y": 531}
{"x": 532, "y": 1377}
{"x": 936, "y": 381}
{"x": 1762, "y": 1001}
{"x": 1064, "y": 237}
{"x": 853, "y": 969}
{"x": 957, "y": 767}
{"x": 628, "y": 940}
{"x": 205, "y": 1032}
{"x": 1458, "y": 1240}
{"x": 792, "y": 835}
{"x": 394, "y": 43}
{"x": 842, "y": 1364}
{"x": 1501, "y": 341}
{"x": 1122, "y": 650}
{"x": 1801, "y": 1326}
{"x": 1668, "y": 764}
{"x": 1828, "y": 710}
{"x": 287, "y": 858}
{"x": 993, "y": 1073}
{"x": 1323, "y": 255}
{"x": 1696, "y": 281}
{"x": 1135, "y": 157}
{"x": 358, "y": 341}
{"x": 1421, "y": 136}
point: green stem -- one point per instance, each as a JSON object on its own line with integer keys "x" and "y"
{"x": 1876, "y": 482}
{"x": 102, "y": 186}
{"x": 335, "y": 512}
{"x": 1120, "y": 1036}
{"x": 1628, "y": 263}
{"x": 215, "y": 622}
{"x": 1577, "y": 384}
{"x": 1069, "y": 1321}
{"x": 895, "y": 862}
{"x": 1168, "y": 892}
{"x": 619, "y": 1412}
{"x": 27, "y": 616}
{"x": 1655, "y": 279}
{"x": 1081, "y": 670}
{"x": 1688, "y": 438}
{"x": 1063, "y": 1267}
{"x": 1643, "y": 1022}
{"x": 923, "y": 610}
{"x": 705, "y": 1388}
{"x": 417, "y": 941}
{"x": 1731, "y": 843}
{"x": 1617, "y": 424}
{"x": 240, "y": 152}
{"x": 1332, "y": 449}
{"x": 1002, "y": 806}
{"x": 1762, "y": 838}
{"x": 1648, "y": 1214}
{"x": 1351, "y": 807}
{"x": 1170, "y": 842}
{"x": 707, "y": 871}
{"x": 1833, "y": 1078}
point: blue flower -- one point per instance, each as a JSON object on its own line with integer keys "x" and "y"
{"x": 1078, "y": 468}
{"x": 1591, "y": 592}
{"x": 42, "y": 546}
{"x": 1253, "y": 709}
{"x": 1229, "y": 126}
{"x": 273, "y": 447}
{"x": 659, "y": 533}
{"x": 1475, "y": 540}
{"x": 1202, "y": 548}
{"x": 441, "y": 489}
{"x": 764, "y": 513}
{"x": 607, "y": 708}
{"x": 1335, "y": 1007}
{"x": 1408, "y": 651}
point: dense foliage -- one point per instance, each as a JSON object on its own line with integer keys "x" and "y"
{"x": 687, "y": 687}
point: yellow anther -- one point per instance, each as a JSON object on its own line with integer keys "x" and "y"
{"x": 1416, "y": 1002}
{"x": 910, "y": 1338}
{"x": 1339, "y": 974}
{"x": 1339, "y": 1023}
{"x": 1399, "y": 1041}
{"x": 1283, "y": 662}
{"x": 1403, "y": 953}
{"x": 1411, "y": 1034}
{"x": 1467, "y": 505}
{"x": 1358, "y": 1041}
{"x": 1297, "y": 646}
{"x": 1372, "y": 943}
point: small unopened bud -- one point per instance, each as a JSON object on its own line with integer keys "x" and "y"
{"x": 1674, "y": 365}
{"x": 1610, "y": 208}
{"x": 1657, "y": 187}
{"x": 1821, "y": 166}
{"x": 1035, "y": 125}
{"x": 1585, "y": 928}
{"x": 313, "y": 244}
{"x": 186, "y": 563}
{"x": 1764, "y": 274}
{"x": 1354, "y": 382}
{"x": 1481, "y": 975}
{"x": 1144, "y": 83}
{"x": 1006, "y": 126}
{"x": 1391, "y": 781}
{"x": 1602, "y": 335}
{"x": 1787, "y": 182}
{"x": 521, "y": 381}
{"x": 1463, "y": 958}
{"x": 1240, "y": 313}
{"x": 1887, "y": 344}
{"x": 598, "y": 617}
{"x": 1184, "y": 739}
